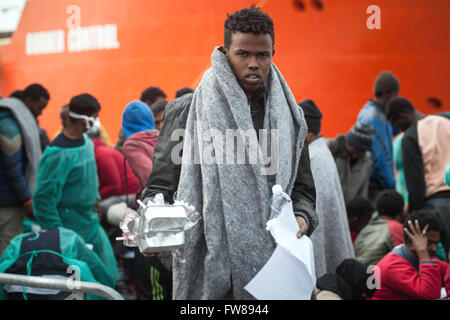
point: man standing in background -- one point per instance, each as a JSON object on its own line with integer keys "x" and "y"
{"x": 386, "y": 87}
{"x": 20, "y": 152}
{"x": 331, "y": 239}
{"x": 426, "y": 155}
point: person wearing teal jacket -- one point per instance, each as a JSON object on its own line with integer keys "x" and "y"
{"x": 67, "y": 186}
{"x": 50, "y": 253}
{"x": 447, "y": 176}
{"x": 400, "y": 182}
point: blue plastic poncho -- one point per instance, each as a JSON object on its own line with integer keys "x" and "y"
{"x": 66, "y": 191}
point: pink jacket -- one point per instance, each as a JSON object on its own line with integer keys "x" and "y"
{"x": 138, "y": 150}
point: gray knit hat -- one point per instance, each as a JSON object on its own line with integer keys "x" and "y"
{"x": 360, "y": 136}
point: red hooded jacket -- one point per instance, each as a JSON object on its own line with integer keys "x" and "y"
{"x": 401, "y": 276}
{"x": 111, "y": 173}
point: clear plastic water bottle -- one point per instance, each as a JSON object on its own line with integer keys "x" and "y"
{"x": 279, "y": 199}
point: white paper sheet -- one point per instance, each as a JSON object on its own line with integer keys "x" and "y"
{"x": 283, "y": 277}
{"x": 290, "y": 273}
{"x": 284, "y": 230}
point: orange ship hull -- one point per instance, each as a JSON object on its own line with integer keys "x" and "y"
{"x": 114, "y": 49}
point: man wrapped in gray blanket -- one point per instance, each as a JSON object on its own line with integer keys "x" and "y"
{"x": 242, "y": 98}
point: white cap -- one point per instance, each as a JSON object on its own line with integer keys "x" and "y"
{"x": 277, "y": 189}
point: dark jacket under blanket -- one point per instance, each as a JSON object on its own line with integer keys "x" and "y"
{"x": 165, "y": 174}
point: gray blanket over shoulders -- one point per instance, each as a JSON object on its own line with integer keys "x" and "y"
{"x": 230, "y": 245}
{"x": 30, "y": 135}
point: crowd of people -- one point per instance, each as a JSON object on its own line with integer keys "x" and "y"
{"x": 375, "y": 201}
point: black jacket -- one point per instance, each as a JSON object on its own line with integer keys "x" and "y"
{"x": 414, "y": 168}
{"x": 165, "y": 174}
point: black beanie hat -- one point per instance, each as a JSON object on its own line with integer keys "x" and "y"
{"x": 360, "y": 136}
{"x": 312, "y": 114}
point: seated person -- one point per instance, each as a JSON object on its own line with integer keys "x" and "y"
{"x": 381, "y": 235}
{"x": 48, "y": 254}
{"x": 412, "y": 271}
{"x": 359, "y": 213}
{"x": 352, "y": 154}
{"x": 349, "y": 283}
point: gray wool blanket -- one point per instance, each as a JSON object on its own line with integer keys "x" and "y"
{"x": 229, "y": 246}
{"x": 30, "y": 137}
{"x": 331, "y": 240}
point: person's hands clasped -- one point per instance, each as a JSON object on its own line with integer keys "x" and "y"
{"x": 418, "y": 239}
{"x": 302, "y": 225}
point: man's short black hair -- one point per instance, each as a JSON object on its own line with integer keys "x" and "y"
{"x": 183, "y": 91}
{"x": 63, "y": 109}
{"x": 17, "y": 94}
{"x": 385, "y": 83}
{"x": 35, "y": 92}
{"x": 151, "y": 94}
{"x": 248, "y": 20}
{"x": 358, "y": 207}
{"x": 425, "y": 217}
{"x": 390, "y": 203}
{"x": 84, "y": 104}
{"x": 397, "y": 106}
